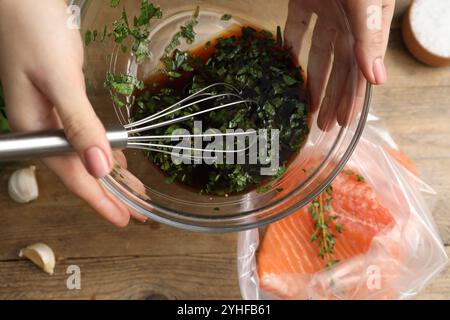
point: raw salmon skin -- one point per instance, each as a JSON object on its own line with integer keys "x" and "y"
{"x": 288, "y": 261}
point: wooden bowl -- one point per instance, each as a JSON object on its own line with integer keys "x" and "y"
{"x": 414, "y": 46}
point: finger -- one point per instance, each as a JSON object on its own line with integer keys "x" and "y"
{"x": 369, "y": 20}
{"x": 133, "y": 214}
{"x": 81, "y": 125}
{"x": 72, "y": 173}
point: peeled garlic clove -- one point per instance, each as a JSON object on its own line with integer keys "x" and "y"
{"x": 41, "y": 255}
{"x": 22, "y": 185}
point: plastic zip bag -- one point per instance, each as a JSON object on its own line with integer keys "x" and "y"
{"x": 400, "y": 259}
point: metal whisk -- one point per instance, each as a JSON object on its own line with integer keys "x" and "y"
{"x": 134, "y": 135}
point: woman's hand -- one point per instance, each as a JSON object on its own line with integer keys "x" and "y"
{"x": 370, "y": 21}
{"x": 41, "y": 63}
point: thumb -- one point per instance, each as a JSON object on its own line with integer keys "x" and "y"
{"x": 370, "y": 20}
{"x": 83, "y": 128}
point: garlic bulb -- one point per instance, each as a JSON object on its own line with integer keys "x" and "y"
{"x": 22, "y": 186}
{"x": 41, "y": 255}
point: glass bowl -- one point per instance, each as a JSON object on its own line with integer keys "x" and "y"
{"x": 141, "y": 186}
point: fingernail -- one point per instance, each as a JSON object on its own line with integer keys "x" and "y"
{"x": 96, "y": 162}
{"x": 140, "y": 218}
{"x": 379, "y": 71}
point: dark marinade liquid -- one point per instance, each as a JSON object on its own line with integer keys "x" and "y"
{"x": 197, "y": 177}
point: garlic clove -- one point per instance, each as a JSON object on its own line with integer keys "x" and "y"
{"x": 23, "y": 186}
{"x": 41, "y": 255}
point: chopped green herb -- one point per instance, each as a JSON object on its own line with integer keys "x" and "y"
{"x": 122, "y": 85}
{"x": 4, "y": 126}
{"x": 239, "y": 179}
{"x": 226, "y": 17}
{"x": 115, "y": 3}
{"x": 122, "y": 30}
{"x": 360, "y": 178}
{"x": 148, "y": 12}
{"x": 280, "y": 172}
{"x": 170, "y": 179}
{"x": 251, "y": 65}
{"x": 174, "y": 60}
{"x": 289, "y": 80}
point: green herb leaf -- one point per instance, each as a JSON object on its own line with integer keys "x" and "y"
{"x": 174, "y": 60}
{"x": 174, "y": 74}
{"x": 226, "y": 17}
{"x": 4, "y": 126}
{"x": 289, "y": 80}
{"x": 87, "y": 37}
{"x": 123, "y": 84}
{"x": 148, "y": 11}
{"x": 320, "y": 210}
{"x": 264, "y": 189}
{"x": 170, "y": 179}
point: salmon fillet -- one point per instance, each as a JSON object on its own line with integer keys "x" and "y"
{"x": 287, "y": 258}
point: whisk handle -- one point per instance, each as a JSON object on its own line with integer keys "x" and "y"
{"x": 20, "y": 146}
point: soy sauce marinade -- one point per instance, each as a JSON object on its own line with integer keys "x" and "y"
{"x": 256, "y": 63}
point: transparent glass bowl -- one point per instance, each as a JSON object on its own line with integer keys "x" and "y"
{"x": 141, "y": 185}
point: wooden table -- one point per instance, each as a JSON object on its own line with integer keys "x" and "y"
{"x": 152, "y": 261}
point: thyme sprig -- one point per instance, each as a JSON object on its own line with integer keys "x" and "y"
{"x": 324, "y": 222}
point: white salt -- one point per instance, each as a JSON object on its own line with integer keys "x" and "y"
{"x": 430, "y": 21}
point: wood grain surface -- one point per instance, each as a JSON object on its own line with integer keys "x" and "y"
{"x": 151, "y": 261}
